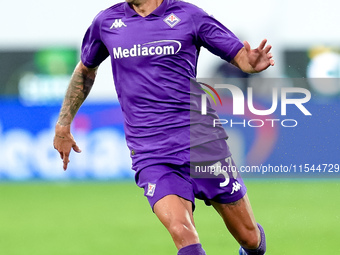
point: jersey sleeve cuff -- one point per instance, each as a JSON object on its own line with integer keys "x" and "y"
{"x": 233, "y": 52}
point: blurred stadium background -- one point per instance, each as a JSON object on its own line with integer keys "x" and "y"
{"x": 94, "y": 207}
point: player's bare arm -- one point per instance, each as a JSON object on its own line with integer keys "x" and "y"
{"x": 254, "y": 60}
{"x": 80, "y": 86}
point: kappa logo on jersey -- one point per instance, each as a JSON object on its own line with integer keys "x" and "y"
{"x": 236, "y": 187}
{"x": 172, "y": 20}
{"x": 151, "y": 189}
{"x": 117, "y": 24}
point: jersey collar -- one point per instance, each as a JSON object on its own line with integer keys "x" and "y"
{"x": 160, "y": 10}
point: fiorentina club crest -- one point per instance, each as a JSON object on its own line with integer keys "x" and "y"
{"x": 151, "y": 189}
{"x": 172, "y": 20}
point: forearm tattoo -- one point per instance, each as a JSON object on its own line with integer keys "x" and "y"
{"x": 78, "y": 89}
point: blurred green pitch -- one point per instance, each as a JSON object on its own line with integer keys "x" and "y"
{"x": 300, "y": 217}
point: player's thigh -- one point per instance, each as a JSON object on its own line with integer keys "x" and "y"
{"x": 173, "y": 208}
{"x": 239, "y": 219}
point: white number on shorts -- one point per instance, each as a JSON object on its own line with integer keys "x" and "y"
{"x": 218, "y": 165}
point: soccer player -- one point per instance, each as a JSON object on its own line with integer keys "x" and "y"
{"x": 154, "y": 47}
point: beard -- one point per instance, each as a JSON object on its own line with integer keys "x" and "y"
{"x": 135, "y": 2}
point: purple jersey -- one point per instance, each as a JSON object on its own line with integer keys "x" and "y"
{"x": 153, "y": 59}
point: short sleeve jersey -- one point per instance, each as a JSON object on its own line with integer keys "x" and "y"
{"x": 154, "y": 60}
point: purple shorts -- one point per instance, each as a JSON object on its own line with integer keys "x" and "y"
{"x": 207, "y": 181}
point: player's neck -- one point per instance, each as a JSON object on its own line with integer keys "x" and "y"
{"x": 144, "y": 8}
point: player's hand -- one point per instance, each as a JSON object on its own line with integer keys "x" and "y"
{"x": 260, "y": 58}
{"x": 63, "y": 142}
